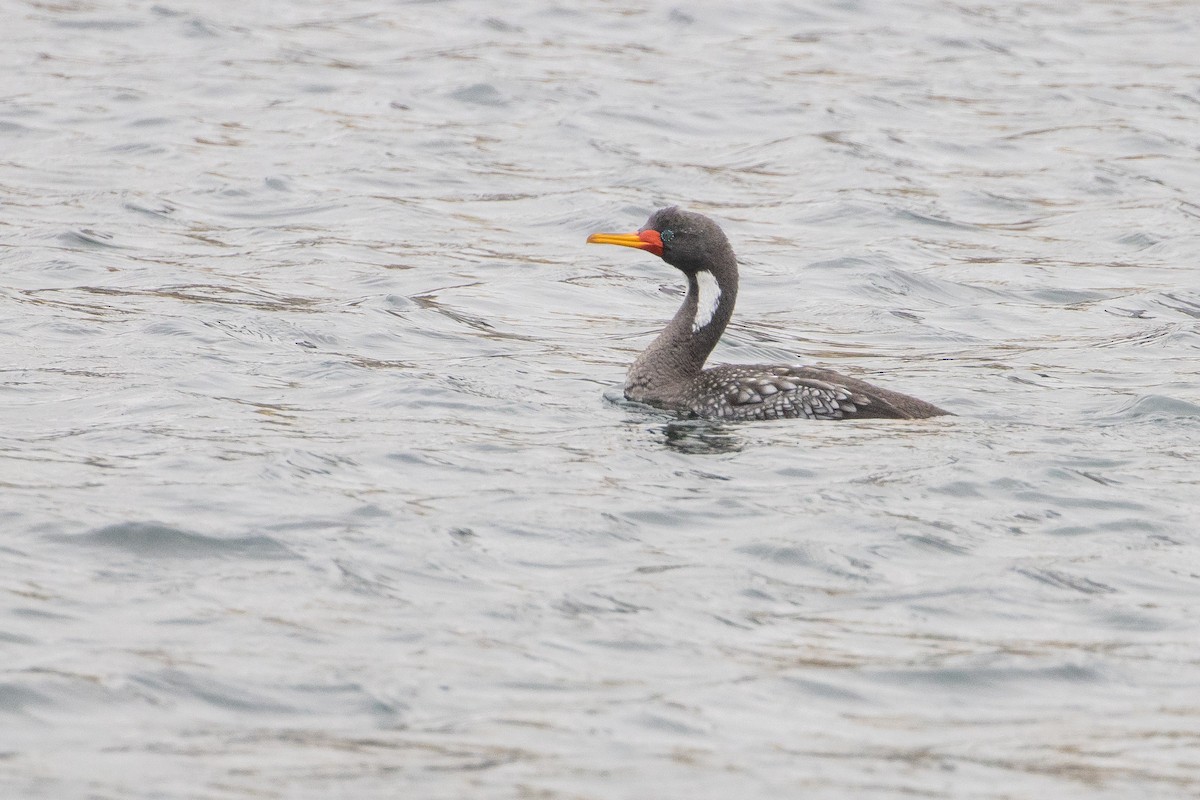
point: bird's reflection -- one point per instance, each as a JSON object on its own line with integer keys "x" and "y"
{"x": 700, "y": 437}
{"x": 694, "y": 436}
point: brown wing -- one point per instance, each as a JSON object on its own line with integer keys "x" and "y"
{"x": 767, "y": 392}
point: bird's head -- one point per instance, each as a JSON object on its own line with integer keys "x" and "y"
{"x": 688, "y": 241}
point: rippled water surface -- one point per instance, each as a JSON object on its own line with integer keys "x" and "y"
{"x": 316, "y": 478}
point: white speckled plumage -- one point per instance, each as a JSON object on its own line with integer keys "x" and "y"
{"x": 670, "y": 374}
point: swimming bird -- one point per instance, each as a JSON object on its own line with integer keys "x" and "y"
{"x": 670, "y": 372}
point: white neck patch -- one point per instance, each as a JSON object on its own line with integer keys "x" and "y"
{"x": 707, "y": 300}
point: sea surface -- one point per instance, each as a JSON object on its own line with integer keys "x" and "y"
{"x": 316, "y": 480}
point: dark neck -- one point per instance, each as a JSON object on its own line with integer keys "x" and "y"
{"x": 678, "y": 353}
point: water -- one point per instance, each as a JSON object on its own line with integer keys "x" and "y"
{"x": 316, "y": 482}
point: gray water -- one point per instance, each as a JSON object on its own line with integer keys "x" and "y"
{"x": 316, "y": 480}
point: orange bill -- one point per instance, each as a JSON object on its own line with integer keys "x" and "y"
{"x": 643, "y": 240}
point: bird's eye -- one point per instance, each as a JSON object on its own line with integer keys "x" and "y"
{"x": 667, "y": 236}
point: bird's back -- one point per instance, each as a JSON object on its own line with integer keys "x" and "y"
{"x": 762, "y": 392}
